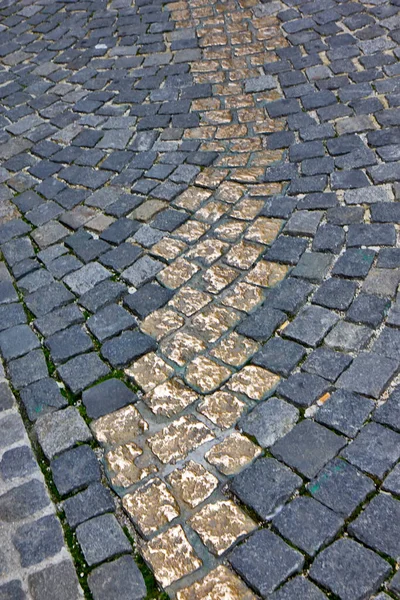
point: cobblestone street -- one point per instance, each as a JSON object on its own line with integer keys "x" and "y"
{"x": 199, "y": 314}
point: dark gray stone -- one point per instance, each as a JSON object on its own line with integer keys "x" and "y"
{"x": 326, "y": 363}
{"x": 55, "y": 581}
{"x": 102, "y": 294}
{"x": 23, "y": 501}
{"x": 378, "y": 526}
{"x": 354, "y": 263}
{"x": 102, "y": 538}
{"x": 265, "y": 486}
{"x": 65, "y": 344}
{"x": 279, "y": 356}
{"x": 299, "y": 588}
{"x": 106, "y": 397}
{"x": 12, "y": 591}
{"x": 81, "y": 371}
{"x": 75, "y": 469}
{"x": 349, "y": 570}
{"x": 388, "y": 343}
{"x": 17, "y": 462}
{"x": 348, "y": 336}
{"x": 11, "y": 315}
{"x": 42, "y": 397}
{"x": 38, "y": 540}
{"x": 122, "y": 257}
{"x": 335, "y": 293}
{"x": 28, "y": 369}
{"x": 17, "y": 341}
{"x": 125, "y": 348}
{"x": 307, "y": 524}
{"x": 345, "y": 412}
{"x": 11, "y": 430}
{"x": 286, "y": 250}
{"x": 59, "y": 319}
{"x": 375, "y": 450}
{"x": 368, "y": 309}
{"x": 142, "y": 271}
{"x": 92, "y": 502}
{"x": 392, "y": 481}
{"x": 308, "y": 447}
{"x": 311, "y": 325}
{"x": 304, "y": 222}
{"x": 313, "y": 266}
{"x": 388, "y": 413}
{"x": 303, "y": 389}
{"x": 265, "y": 561}
{"x": 110, "y": 321}
{"x": 120, "y": 577}
{"x": 6, "y": 396}
{"x": 368, "y": 374}
{"x": 147, "y": 299}
{"x": 262, "y": 323}
{"x": 84, "y": 279}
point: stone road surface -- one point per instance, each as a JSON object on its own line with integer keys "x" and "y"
{"x": 199, "y": 323}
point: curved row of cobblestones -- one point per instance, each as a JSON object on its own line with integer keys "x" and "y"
{"x": 199, "y": 222}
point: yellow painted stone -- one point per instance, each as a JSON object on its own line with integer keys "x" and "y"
{"x": 175, "y": 441}
{"x": 212, "y": 211}
{"x": 149, "y": 371}
{"x": 219, "y": 584}
{"x": 266, "y": 273}
{"x": 232, "y": 454}
{"x": 151, "y": 506}
{"x": 205, "y": 374}
{"x": 230, "y": 230}
{"x": 253, "y": 381}
{"x": 191, "y": 231}
{"x": 120, "y": 426}
{"x": 193, "y": 483}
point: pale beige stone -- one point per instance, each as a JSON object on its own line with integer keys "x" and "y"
{"x": 171, "y": 556}
{"x": 192, "y": 198}
{"x": 218, "y": 277}
{"x": 161, "y": 322}
{"x": 264, "y": 230}
{"x": 149, "y": 371}
{"x": 120, "y": 426}
{"x": 177, "y": 273}
{"x": 168, "y": 248}
{"x": 120, "y": 462}
{"x": 243, "y": 255}
{"x": 230, "y": 192}
{"x": 230, "y": 230}
{"x": 146, "y": 211}
{"x": 193, "y": 483}
{"x": 214, "y": 321}
{"x": 266, "y": 273}
{"x": 234, "y": 350}
{"x": 205, "y": 374}
{"x": 212, "y": 211}
{"x": 232, "y": 454}
{"x": 181, "y": 347}
{"x": 151, "y": 506}
{"x": 243, "y": 296}
{"x": 219, "y": 584}
{"x": 253, "y": 381}
{"x": 208, "y": 251}
{"x": 247, "y": 209}
{"x": 191, "y": 231}
{"x": 221, "y": 524}
{"x": 99, "y": 223}
{"x": 170, "y": 398}
{"x": 211, "y": 177}
{"x": 189, "y": 301}
{"x": 175, "y": 441}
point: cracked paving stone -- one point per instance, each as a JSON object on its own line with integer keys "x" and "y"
{"x": 265, "y": 561}
{"x": 110, "y": 321}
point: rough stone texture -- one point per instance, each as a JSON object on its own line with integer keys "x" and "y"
{"x": 61, "y": 430}
{"x": 121, "y": 577}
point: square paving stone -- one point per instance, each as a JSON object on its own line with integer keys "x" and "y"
{"x": 7, "y": 293}
{"x": 23, "y": 501}
{"x": 92, "y": 502}
{"x": 120, "y": 578}
{"x": 102, "y": 294}
{"x": 61, "y": 430}
{"x": 265, "y": 486}
{"x": 7, "y": 399}
{"x": 368, "y": 309}
{"x": 264, "y": 561}
{"x": 304, "y": 222}
{"x": 326, "y": 363}
{"x": 279, "y": 356}
{"x": 81, "y": 371}
{"x": 313, "y": 266}
{"x": 308, "y": 447}
{"x": 354, "y": 263}
{"x": 307, "y": 524}
{"x": 75, "y": 469}
{"x": 303, "y": 389}
{"x": 394, "y": 586}
{"x": 382, "y": 282}
{"x": 262, "y": 323}
{"x": 86, "y": 278}
{"x": 169, "y": 220}
{"x": 299, "y": 588}
{"x": 47, "y": 299}
{"x": 110, "y": 321}
{"x": 287, "y": 250}
{"x": 55, "y": 581}
{"x": 368, "y": 374}
{"x": 269, "y": 421}
{"x": 142, "y": 271}
{"x": 335, "y": 293}
{"x": 392, "y": 481}
{"x": 127, "y": 347}
{"x": 102, "y": 538}
{"x": 120, "y": 230}
{"x": 65, "y": 344}
{"x": 387, "y": 343}
{"x": 28, "y": 369}
{"x": 311, "y": 325}
{"x": 378, "y": 526}
{"x": 122, "y": 257}
{"x": 42, "y": 397}
{"x": 17, "y": 341}
{"x": 348, "y": 336}
{"x": 59, "y": 319}
{"x": 349, "y": 570}
{"x": 389, "y": 412}
{"x": 11, "y": 315}
{"x": 346, "y": 412}
{"x": 38, "y": 540}
{"x": 289, "y": 295}
{"x": 147, "y": 299}
{"x": 107, "y": 396}
{"x": 341, "y": 487}
{"x": 375, "y": 450}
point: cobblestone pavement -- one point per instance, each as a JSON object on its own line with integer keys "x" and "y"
{"x": 199, "y": 218}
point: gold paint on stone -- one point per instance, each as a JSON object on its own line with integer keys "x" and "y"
{"x": 182, "y": 347}
{"x": 151, "y": 506}
{"x": 121, "y": 461}
{"x": 149, "y": 371}
{"x": 243, "y": 296}
{"x": 170, "y": 398}
{"x": 188, "y": 301}
{"x": 216, "y": 278}
{"x": 232, "y": 454}
{"x": 119, "y": 427}
{"x": 193, "y": 483}
{"x": 230, "y": 230}
{"x": 243, "y": 255}
{"x": 220, "y": 524}
{"x": 171, "y": 556}
{"x": 230, "y": 192}
{"x": 211, "y": 178}
{"x": 264, "y": 230}
{"x": 267, "y": 274}
{"x": 222, "y": 408}
{"x": 191, "y": 231}
{"x": 253, "y": 381}
{"x": 161, "y": 322}
{"x": 192, "y": 198}
{"x": 212, "y": 211}
{"x": 175, "y": 441}
{"x": 247, "y": 209}
{"x": 214, "y": 321}
{"x": 168, "y": 248}
{"x": 205, "y": 374}
{"x": 178, "y": 273}
{"x": 234, "y": 350}
{"x": 208, "y": 251}
{"x": 250, "y": 175}
{"x": 219, "y": 584}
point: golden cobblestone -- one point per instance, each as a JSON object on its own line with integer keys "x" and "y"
{"x": 212, "y": 211}
{"x": 182, "y": 347}
{"x": 234, "y": 350}
{"x": 220, "y": 525}
{"x": 208, "y": 251}
{"x": 230, "y": 192}
{"x": 222, "y": 408}
{"x": 267, "y": 273}
{"x": 250, "y": 175}
{"x": 264, "y": 230}
{"x": 206, "y": 375}
{"x": 253, "y": 381}
{"x": 176, "y": 274}
{"x": 149, "y": 371}
{"x": 191, "y": 231}
{"x": 218, "y": 277}
{"x": 193, "y": 483}
{"x": 243, "y": 255}
{"x": 215, "y": 117}
{"x": 175, "y": 441}
{"x": 243, "y": 296}
{"x": 171, "y": 556}
{"x": 219, "y": 584}
{"x": 170, "y": 398}
{"x": 151, "y": 506}
{"x": 233, "y": 454}
{"x": 161, "y": 322}
{"x": 211, "y": 178}
{"x": 168, "y": 248}
{"x": 192, "y": 198}
{"x": 120, "y": 461}
{"x": 212, "y": 322}
{"x": 230, "y": 230}
{"x": 189, "y": 301}
{"x": 119, "y": 427}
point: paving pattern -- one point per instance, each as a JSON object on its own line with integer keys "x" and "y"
{"x": 198, "y": 299}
